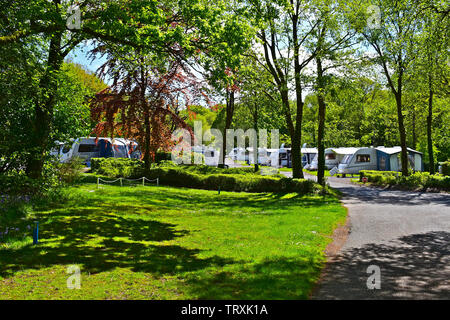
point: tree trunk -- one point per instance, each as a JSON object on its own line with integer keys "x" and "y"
{"x": 297, "y": 169}
{"x": 147, "y": 142}
{"x": 228, "y": 120}
{"x": 429, "y": 128}
{"x": 255, "y": 126}
{"x": 321, "y": 129}
{"x": 42, "y": 123}
{"x": 414, "y": 135}
{"x": 401, "y": 129}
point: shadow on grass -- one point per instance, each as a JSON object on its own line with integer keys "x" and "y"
{"x": 281, "y": 278}
{"x": 268, "y": 203}
{"x": 104, "y": 242}
{"x": 411, "y": 267}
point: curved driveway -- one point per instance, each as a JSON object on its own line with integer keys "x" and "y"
{"x": 405, "y": 234}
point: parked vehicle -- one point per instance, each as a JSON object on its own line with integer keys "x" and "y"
{"x": 362, "y": 159}
{"x": 380, "y": 158}
{"x": 333, "y": 157}
{"x": 210, "y": 154}
{"x": 308, "y": 155}
{"x": 91, "y": 147}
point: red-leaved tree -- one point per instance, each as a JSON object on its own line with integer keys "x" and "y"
{"x": 144, "y": 100}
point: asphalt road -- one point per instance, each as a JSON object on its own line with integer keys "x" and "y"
{"x": 404, "y": 234}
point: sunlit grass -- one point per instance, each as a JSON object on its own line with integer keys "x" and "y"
{"x": 171, "y": 243}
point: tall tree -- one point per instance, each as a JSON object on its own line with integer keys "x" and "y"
{"x": 142, "y": 102}
{"x": 331, "y": 42}
{"x": 392, "y": 31}
{"x": 166, "y": 28}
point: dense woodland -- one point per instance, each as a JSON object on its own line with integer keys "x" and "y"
{"x": 325, "y": 73}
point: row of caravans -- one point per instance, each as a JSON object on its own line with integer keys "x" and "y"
{"x": 353, "y": 160}
{"x": 346, "y": 160}
{"x": 88, "y": 148}
{"x": 272, "y": 157}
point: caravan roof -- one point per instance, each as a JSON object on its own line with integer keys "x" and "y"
{"x": 350, "y": 150}
{"x": 309, "y": 150}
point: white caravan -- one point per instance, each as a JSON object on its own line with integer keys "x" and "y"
{"x": 210, "y": 154}
{"x": 380, "y": 158}
{"x": 333, "y": 156}
{"x": 88, "y": 148}
{"x": 308, "y": 155}
{"x": 362, "y": 159}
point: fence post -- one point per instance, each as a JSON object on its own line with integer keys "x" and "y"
{"x": 143, "y": 181}
{"x": 157, "y": 182}
{"x": 121, "y": 184}
{"x": 98, "y": 182}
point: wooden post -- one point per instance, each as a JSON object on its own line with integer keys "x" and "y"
{"x": 143, "y": 181}
{"x": 121, "y": 184}
{"x": 157, "y": 182}
{"x": 98, "y": 182}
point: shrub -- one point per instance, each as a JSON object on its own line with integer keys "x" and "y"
{"x": 414, "y": 181}
{"x": 202, "y": 176}
{"x": 230, "y": 182}
{"x": 117, "y": 167}
{"x": 446, "y": 168}
{"x": 70, "y": 172}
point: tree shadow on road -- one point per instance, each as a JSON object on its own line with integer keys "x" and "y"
{"x": 412, "y": 267}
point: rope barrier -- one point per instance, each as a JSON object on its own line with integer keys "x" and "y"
{"x": 143, "y": 179}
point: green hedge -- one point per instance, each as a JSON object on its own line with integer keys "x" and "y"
{"x": 117, "y": 167}
{"x": 446, "y": 168}
{"x": 416, "y": 180}
{"x": 201, "y": 176}
{"x": 231, "y": 182}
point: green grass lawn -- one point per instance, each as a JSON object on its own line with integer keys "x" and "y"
{"x": 170, "y": 243}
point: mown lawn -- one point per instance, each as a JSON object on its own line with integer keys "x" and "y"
{"x": 170, "y": 243}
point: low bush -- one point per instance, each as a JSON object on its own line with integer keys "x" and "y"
{"x": 417, "y": 180}
{"x": 70, "y": 172}
{"x": 446, "y": 168}
{"x": 201, "y": 176}
{"x": 117, "y": 167}
{"x": 231, "y": 182}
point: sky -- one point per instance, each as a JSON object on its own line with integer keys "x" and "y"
{"x": 80, "y": 55}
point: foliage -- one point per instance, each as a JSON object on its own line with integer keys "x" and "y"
{"x": 70, "y": 171}
{"x": 117, "y": 167}
{"x": 417, "y": 180}
{"x": 446, "y": 168}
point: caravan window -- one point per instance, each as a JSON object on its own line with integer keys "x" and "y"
{"x": 363, "y": 158}
{"x": 346, "y": 159}
{"x": 88, "y": 148}
{"x": 120, "y": 151}
{"x": 330, "y": 156}
{"x": 209, "y": 154}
